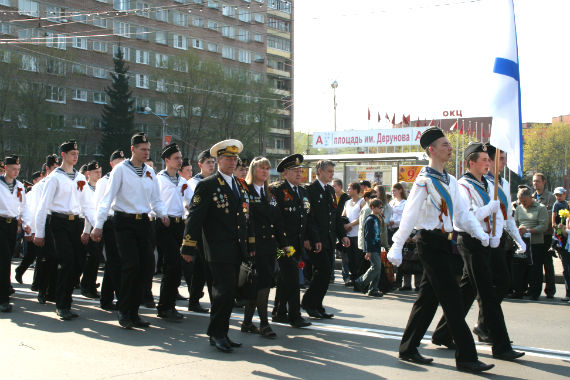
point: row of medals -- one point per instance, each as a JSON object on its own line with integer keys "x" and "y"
{"x": 221, "y": 200}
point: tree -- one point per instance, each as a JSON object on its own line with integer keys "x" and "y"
{"x": 118, "y": 114}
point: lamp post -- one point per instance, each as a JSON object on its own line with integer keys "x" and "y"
{"x": 177, "y": 109}
{"x": 334, "y": 85}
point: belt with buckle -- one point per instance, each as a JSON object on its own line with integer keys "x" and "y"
{"x": 70, "y": 217}
{"x": 176, "y": 219}
{"x": 7, "y": 219}
{"x": 132, "y": 216}
{"x": 440, "y": 233}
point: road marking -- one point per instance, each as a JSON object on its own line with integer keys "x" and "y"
{"x": 353, "y": 330}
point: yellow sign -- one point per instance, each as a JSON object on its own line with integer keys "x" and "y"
{"x": 408, "y": 173}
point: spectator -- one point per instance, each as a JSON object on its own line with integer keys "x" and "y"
{"x": 531, "y": 218}
{"x": 381, "y": 194}
{"x": 365, "y": 185}
{"x": 560, "y": 240}
{"x": 397, "y": 203}
{"x": 352, "y": 211}
{"x": 546, "y": 198}
{"x": 364, "y": 212}
{"x": 341, "y": 198}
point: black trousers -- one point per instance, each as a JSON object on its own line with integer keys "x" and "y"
{"x": 200, "y": 276}
{"x": 478, "y": 280}
{"x": 288, "y": 289}
{"x": 438, "y": 286}
{"x": 91, "y": 265}
{"x": 168, "y": 244}
{"x": 8, "y": 233}
{"x": 355, "y": 258}
{"x": 549, "y": 276}
{"x": 69, "y": 255}
{"x": 28, "y": 259}
{"x": 47, "y": 265}
{"x": 148, "y": 277}
{"x": 112, "y": 275}
{"x": 224, "y": 290}
{"x": 137, "y": 261}
{"x": 319, "y": 285}
{"x": 527, "y": 274}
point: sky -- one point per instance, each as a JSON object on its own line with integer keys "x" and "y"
{"x": 422, "y": 57}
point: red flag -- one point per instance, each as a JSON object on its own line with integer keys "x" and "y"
{"x": 418, "y": 122}
{"x": 453, "y": 127}
{"x": 439, "y": 123}
{"x": 483, "y": 134}
{"x": 462, "y": 126}
{"x": 368, "y": 113}
{"x": 379, "y": 117}
{"x": 469, "y": 129}
{"x": 387, "y": 117}
{"x": 432, "y": 123}
{"x": 408, "y": 122}
{"x": 394, "y": 119}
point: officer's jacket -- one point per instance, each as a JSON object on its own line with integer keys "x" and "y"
{"x": 293, "y": 213}
{"x": 325, "y": 225}
{"x": 268, "y": 235}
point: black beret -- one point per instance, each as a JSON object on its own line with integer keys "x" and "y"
{"x": 83, "y": 169}
{"x": 245, "y": 162}
{"x": 116, "y": 154}
{"x": 36, "y": 175}
{"x": 138, "y": 138}
{"x": 185, "y": 162}
{"x": 68, "y": 145}
{"x": 93, "y": 165}
{"x": 51, "y": 160}
{"x": 474, "y": 147}
{"x": 12, "y": 160}
{"x": 44, "y": 166}
{"x": 289, "y": 162}
{"x": 169, "y": 150}
{"x": 429, "y": 136}
{"x": 203, "y": 156}
{"x": 491, "y": 150}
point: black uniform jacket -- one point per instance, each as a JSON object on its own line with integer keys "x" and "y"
{"x": 293, "y": 212}
{"x": 220, "y": 221}
{"x": 268, "y": 235}
{"x": 325, "y": 225}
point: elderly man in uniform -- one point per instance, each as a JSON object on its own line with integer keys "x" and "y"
{"x": 219, "y": 217}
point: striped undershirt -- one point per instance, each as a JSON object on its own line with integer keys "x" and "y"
{"x": 11, "y": 186}
{"x": 139, "y": 170}
{"x": 174, "y": 179}
{"x": 92, "y": 187}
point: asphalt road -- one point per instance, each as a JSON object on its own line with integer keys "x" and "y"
{"x": 361, "y": 342}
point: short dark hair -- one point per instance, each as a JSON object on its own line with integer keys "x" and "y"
{"x": 365, "y": 183}
{"x": 337, "y": 182}
{"x": 472, "y": 157}
{"x": 376, "y": 203}
{"x": 355, "y": 186}
{"x": 323, "y": 164}
{"x": 542, "y": 176}
{"x": 370, "y": 194}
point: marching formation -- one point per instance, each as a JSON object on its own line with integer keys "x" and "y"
{"x": 230, "y": 229}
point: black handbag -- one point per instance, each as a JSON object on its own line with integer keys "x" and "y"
{"x": 246, "y": 273}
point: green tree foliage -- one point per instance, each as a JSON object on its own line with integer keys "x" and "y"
{"x": 118, "y": 113}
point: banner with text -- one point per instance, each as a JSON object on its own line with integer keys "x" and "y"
{"x": 373, "y": 137}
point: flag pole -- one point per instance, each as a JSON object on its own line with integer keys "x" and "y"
{"x": 457, "y": 149}
{"x": 496, "y": 187}
{"x": 462, "y": 138}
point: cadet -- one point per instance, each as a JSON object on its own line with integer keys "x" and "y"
{"x": 293, "y": 206}
{"x": 12, "y": 208}
{"x": 64, "y": 195}
{"x": 219, "y": 215}
{"x": 175, "y": 193}
{"x": 185, "y": 170}
{"x": 132, "y": 192}
{"x": 433, "y": 208}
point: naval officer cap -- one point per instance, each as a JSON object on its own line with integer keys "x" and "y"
{"x": 12, "y": 160}
{"x": 230, "y": 148}
{"x": 116, "y": 155}
{"x": 169, "y": 150}
{"x": 474, "y": 147}
{"x": 67, "y": 146}
{"x": 185, "y": 162}
{"x": 429, "y": 136}
{"x": 290, "y": 162}
{"x": 138, "y": 138}
{"x": 93, "y": 165}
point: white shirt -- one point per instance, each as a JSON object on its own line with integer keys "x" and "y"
{"x": 12, "y": 205}
{"x": 258, "y": 189}
{"x": 193, "y": 182}
{"x": 397, "y": 210}
{"x": 63, "y": 195}
{"x": 470, "y": 194}
{"x": 174, "y": 197}
{"x": 352, "y": 212}
{"x": 127, "y": 192}
{"x": 509, "y": 225}
{"x": 229, "y": 179}
{"x": 421, "y": 213}
{"x": 323, "y": 185}
{"x": 89, "y": 193}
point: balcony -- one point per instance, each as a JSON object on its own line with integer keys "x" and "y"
{"x": 279, "y": 33}
{"x": 279, "y": 53}
{"x": 276, "y": 151}
{"x": 281, "y": 92}
{"x": 279, "y": 131}
{"x": 276, "y": 13}
{"x": 279, "y": 73}
{"x": 280, "y": 112}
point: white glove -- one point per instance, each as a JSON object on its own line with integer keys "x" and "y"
{"x": 494, "y": 241}
{"x": 491, "y": 207}
{"x": 484, "y": 239}
{"x": 395, "y": 256}
{"x": 521, "y": 246}
{"x": 494, "y": 206}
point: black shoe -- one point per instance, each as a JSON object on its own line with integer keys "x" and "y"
{"x": 50, "y": 298}
{"x": 450, "y": 344}
{"x": 12, "y": 290}
{"x": 221, "y": 344}
{"x": 18, "y": 277}
{"x": 139, "y": 322}
{"x": 180, "y": 297}
{"x": 474, "y": 367}
{"x": 324, "y": 314}
{"x": 5, "y": 308}
{"x": 281, "y": 318}
{"x": 349, "y": 283}
{"x": 64, "y": 314}
{"x": 89, "y": 294}
{"x": 34, "y": 288}
{"x": 42, "y": 298}
{"x": 109, "y": 306}
{"x": 509, "y": 355}
{"x": 482, "y": 335}
{"x": 150, "y": 304}
{"x": 550, "y": 296}
{"x": 171, "y": 315}
{"x": 313, "y": 313}
{"x": 232, "y": 343}
{"x": 249, "y": 328}
{"x": 195, "y": 307}
{"x": 300, "y": 322}
{"x": 375, "y": 293}
{"x": 404, "y": 288}
{"x": 73, "y": 315}
{"x": 415, "y": 357}
{"x": 125, "y": 321}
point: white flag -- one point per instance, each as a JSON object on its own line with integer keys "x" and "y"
{"x": 506, "y": 131}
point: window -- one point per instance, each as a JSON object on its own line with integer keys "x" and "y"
{"x": 280, "y": 5}
{"x": 278, "y": 43}
{"x": 196, "y": 111}
{"x": 142, "y": 33}
{"x": 161, "y": 108}
{"x": 4, "y": 28}
{"x": 161, "y": 60}
{"x": 79, "y": 43}
{"x": 100, "y": 46}
{"x": 259, "y": 58}
{"x": 78, "y": 68}
{"x": 100, "y": 21}
{"x": 213, "y": 25}
{"x": 142, "y": 57}
{"x": 179, "y": 18}
{"x": 161, "y": 38}
{"x": 126, "y": 52}
{"x": 99, "y": 72}
{"x": 121, "y": 5}
{"x": 279, "y": 24}
{"x": 243, "y": 35}
{"x": 143, "y": 9}
{"x": 55, "y": 122}
{"x": 179, "y": 42}
{"x": 244, "y": 56}
{"x": 244, "y": 15}
{"x": 141, "y": 103}
{"x": 55, "y": 94}
{"x": 228, "y": 10}
{"x": 160, "y": 85}
{"x": 121, "y": 29}
{"x": 4, "y": 56}
{"x": 55, "y": 66}
{"x": 198, "y": 21}
{"x": 80, "y": 95}
{"x": 80, "y": 122}
{"x": 31, "y": 35}
{"x": 197, "y": 44}
{"x": 53, "y": 14}
{"x": 161, "y": 15}
{"x": 28, "y": 7}
{"x": 55, "y": 40}
{"x": 142, "y": 81}
{"x": 279, "y": 143}
{"x": 228, "y": 31}
{"x": 79, "y": 17}
{"x": 259, "y": 18}
{"x": 212, "y": 47}
{"x": 99, "y": 98}
{"x": 228, "y": 52}
{"x": 213, "y": 4}
{"x": 258, "y": 37}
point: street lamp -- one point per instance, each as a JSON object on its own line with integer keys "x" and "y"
{"x": 177, "y": 109}
{"x": 334, "y": 85}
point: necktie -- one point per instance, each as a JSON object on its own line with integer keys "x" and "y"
{"x": 262, "y": 194}
{"x": 235, "y": 188}
{"x": 296, "y": 190}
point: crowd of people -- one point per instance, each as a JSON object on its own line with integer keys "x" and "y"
{"x": 239, "y": 235}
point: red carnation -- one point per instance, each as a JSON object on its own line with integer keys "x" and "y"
{"x": 301, "y": 265}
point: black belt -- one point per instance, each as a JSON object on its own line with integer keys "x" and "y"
{"x": 176, "y": 219}
{"x": 70, "y": 217}
{"x": 7, "y": 220}
{"x": 131, "y": 216}
{"x": 440, "y": 233}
